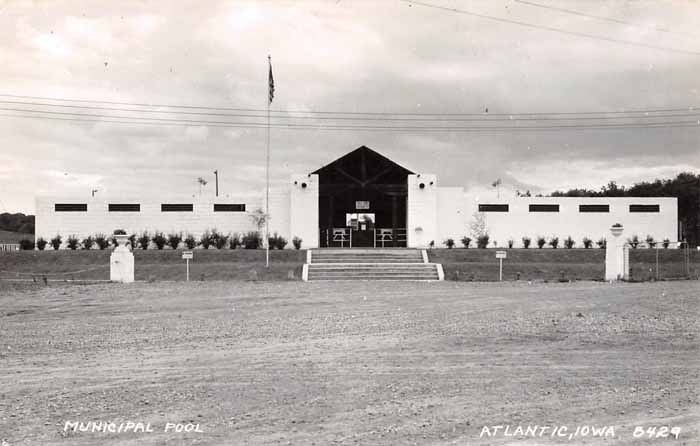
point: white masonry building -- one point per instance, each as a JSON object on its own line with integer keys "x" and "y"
{"x": 363, "y": 199}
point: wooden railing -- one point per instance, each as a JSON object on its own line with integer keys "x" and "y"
{"x": 9, "y": 246}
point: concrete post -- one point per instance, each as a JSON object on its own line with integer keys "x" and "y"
{"x": 616, "y": 256}
{"x": 121, "y": 262}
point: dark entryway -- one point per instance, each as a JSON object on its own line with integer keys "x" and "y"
{"x": 362, "y": 201}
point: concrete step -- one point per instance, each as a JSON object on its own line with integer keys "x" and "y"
{"x": 373, "y": 271}
{"x": 366, "y": 256}
{"x": 370, "y": 264}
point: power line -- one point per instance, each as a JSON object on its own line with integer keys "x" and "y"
{"x": 326, "y": 112}
{"x": 209, "y": 122}
{"x": 652, "y": 125}
{"x": 607, "y": 19}
{"x": 553, "y": 29}
{"x": 483, "y": 118}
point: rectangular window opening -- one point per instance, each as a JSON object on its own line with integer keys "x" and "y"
{"x": 70, "y": 207}
{"x": 644, "y": 208}
{"x": 124, "y": 207}
{"x": 493, "y": 208}
{"x": 594, "y": 208}
{"x": 229, "y": 207}
{"x": 176, "y": 207}
{"x": 544, "y": 208}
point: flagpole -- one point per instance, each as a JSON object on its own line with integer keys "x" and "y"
{"x": 267, "y": 179}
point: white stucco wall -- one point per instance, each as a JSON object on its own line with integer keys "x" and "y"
{"x": 279, "y": 214}
{"x": 451, "y": 211}
{"x": 97, "y": 218}
{"x": 303, "y": 211}
{"x": 519, "y": 221}
{"x": 422, "y": 211}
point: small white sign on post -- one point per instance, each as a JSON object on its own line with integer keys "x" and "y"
{"x": 500, "y": 255}
{"x": 187, "y": 256}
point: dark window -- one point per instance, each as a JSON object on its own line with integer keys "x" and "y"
{"x": 124, "y": 207}
{"x": 644, "y": 208}
{"x": 71, "y": 207}
{"x": 176, "y": 208}
{"x": 229, "y": 208}
{"x": 493, "y": 208}
{"x": 594, "y": 208}
{"x": 544, "y": 208}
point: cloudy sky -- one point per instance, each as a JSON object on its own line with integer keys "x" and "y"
{"x": 390, "y": 58}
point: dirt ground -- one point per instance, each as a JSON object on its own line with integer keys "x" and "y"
{"x": 258, "y": 363}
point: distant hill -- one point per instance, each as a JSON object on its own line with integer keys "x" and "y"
{"x": 14, "y": 237}
{"x": 17, "y": 222}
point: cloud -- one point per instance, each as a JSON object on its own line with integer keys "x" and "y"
{"x": 351, "y": 56}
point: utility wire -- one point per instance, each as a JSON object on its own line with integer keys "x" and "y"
{"x": 651, "y": 125}
{"x": 607, "y": 19}
{"x": 553, "y": 29}
{"x": 208, "y": 122}
{"x": 484, "y": 118}
{"x": 357, "y": 113}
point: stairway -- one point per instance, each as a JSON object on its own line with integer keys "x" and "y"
{"x": 370, "y": 264}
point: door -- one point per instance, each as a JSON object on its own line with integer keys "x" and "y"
{"x": 362, "y": 226}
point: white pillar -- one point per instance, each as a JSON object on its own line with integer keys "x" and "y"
{"x": 616, "y": 256}
{"x": 121, "y": 262}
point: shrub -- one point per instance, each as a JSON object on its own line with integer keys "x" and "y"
{"x": 251, "y": 240}
{"x": 296, "y": 241}
{"x": 132, "y": 241}
{"x": 41, "y": 243}
{"x": 143, "y": 240}
{"x": 174, "y": 239}
{"x": 26, "y": 244}
{"x": 554, "y": 242}
{"x": 159, "y": 240}
{"x": 666, "y": 243}
{"x": 511, "y": 242}
{"x": 450, "y": 243}
{"x": 56, "y": 242}
{"x": 119, "y": 232}
{"x": 101, "y": 241}
{"x": 587, "y": 243}
{"x": 482, "y": 241}
{"x": 541, "y": 241}
{"x": 206, "y": 240}
{"x": 73, "y": 242}
{"x": 277, "y": 241}
{"x": 219, "y": 240}
{"x": 569, "y": 242}
{"x": 234, "y": 240}
{"x": 526, "y": 242}
{"x": 88, "y": 242}
{"x": 431, "y": 245}
{"x": 190, "y": 241}
{"x": 650, "y": 241}
{"x": 602, "y": 243}
{"x": 466, "y": 241}
{"x": 634, "y": 241}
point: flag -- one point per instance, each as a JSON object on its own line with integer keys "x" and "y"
{"x": 271, "y": 82}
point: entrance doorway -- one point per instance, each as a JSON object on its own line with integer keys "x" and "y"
{"x": 362, "y": 201}
{"x": 363, "y": 228}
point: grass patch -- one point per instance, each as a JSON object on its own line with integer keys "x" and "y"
{"x": 156, "y": 265}
{"x": 558, "y": 264}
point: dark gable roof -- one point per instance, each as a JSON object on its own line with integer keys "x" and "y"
{"x": 364, "y": 164}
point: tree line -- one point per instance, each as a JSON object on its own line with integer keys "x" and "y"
{"x": 17, "y": 222}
